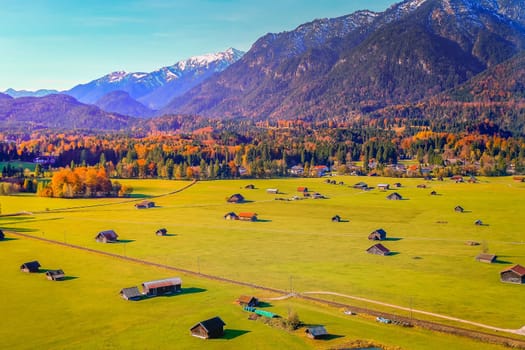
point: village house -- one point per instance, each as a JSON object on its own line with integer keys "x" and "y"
{"x": 248, "y": 216}
{"x": 248, "y": 300}
{"x": 162, "y": 287}
{"x": 131, "y": 293}
{"x": 235, "y": 198}
{"x": 319, "y": 170}
{"x": 212, "y": 328}
{"x": 316, "y": 332}
{"x": 32, "y": 266}
{"x": 514, "y": 274}
{"x": 378, "y": 249}
{"x": 297, "y": 170}
{"x": 486, "y": 258}
{"x": 55, "y": 275}
{"x": 145, "y": 205}
{"x": 108, "y": 236}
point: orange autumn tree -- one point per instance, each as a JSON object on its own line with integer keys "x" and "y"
{"x": 83, "y": 182}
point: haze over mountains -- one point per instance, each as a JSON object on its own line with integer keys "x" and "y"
{"x": 354, "y": 64}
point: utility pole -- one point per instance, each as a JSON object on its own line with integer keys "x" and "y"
{"x": 291, "y": 284}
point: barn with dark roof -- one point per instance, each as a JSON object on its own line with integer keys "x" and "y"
{"x": 211, "y": 328}
{"x": 108, "y": 236}
{"x": 378, "y": 249}
{"x": 55, "y": 275}
{"x": 31, "y": 266}
{"x": 162, "y": 287}
{"x": 377, "y": 235}
{"x": 131, "y": 293}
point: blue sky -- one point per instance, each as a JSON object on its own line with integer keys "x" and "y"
{"x": 57, "y": 44}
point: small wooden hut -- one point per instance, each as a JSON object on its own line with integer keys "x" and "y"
{"x": 2, "y": 236}
{"x": 377, "y": 235}
{"x": 248, "y": 300}
{"x": 161, "y": 232}
{"x": 383, "y": 187}
{"x": 131, "y": 293}
{"x": 250, "y": 187}
{"x": 235, "y": 198}
{"x": 478, "y": 223}
{"x": 145, "y": 205}
{"x": 433, "y": 193}
{"x": 55, "y": 275}
{"x": 394, "y": 197}
{"x": 336, "y": 218}
{"x": 486, "y": 258}
{"x": 378, "y": 249}
{"x": 31, "y": 266}
{"x": 231, "y": 216}
{"x": 162, "y": 287}
{"x": 459, "y": 209}
{"x": 302, "y": 189}
{"x": 514, "y": 274}
{"x": 316, "y": 332}
{"x": 108, "y": 236}
{"x": 272, "y": 191}
{"x": 212, "y": 328}
{"x": 361, "y": 186}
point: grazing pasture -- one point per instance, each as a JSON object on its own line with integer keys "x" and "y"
{"x": 293, "y": 246}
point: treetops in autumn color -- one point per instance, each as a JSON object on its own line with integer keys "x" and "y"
{"x": 82, "y": 182}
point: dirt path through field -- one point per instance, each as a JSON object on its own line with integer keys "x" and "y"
{"x": 481, "y": 325}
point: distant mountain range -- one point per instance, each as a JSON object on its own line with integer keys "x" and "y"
{"x": 25, "y": 93}
{"x": 363, "y": 61}
{"x": 354, "y": 65}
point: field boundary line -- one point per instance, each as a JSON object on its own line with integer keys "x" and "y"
{"x": 434, "y": 326}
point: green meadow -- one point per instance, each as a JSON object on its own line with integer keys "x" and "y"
{"x": 293, "y": 246}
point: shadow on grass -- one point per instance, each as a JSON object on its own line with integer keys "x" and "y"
{"x": 502, "y": 262}
{"x": 8, "y": 239}
{"x": 68, "y": 278}
{"x": 230, "y": 334}
{"x": 124, "y": 241}
{"x": 262, "y": 220}
{"x": 263, "y": 304}
{"x": 330, "y": 337}
{"x": 169, "y": 235}
{"x": 393, "y": 239}
{"x": 192, "y": 290}
{"x": 14, "y": 219}
{"x": 394, "y": 253}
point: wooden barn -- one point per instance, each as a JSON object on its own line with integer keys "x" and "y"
{"x": 250, "y": 187}
{"x": 433, "y": 193}
{"x": 397, "y": 185}
{"x": 394, "y": 197}
{"x": 235, "y": 198}
{"x": 377, "y": 235}
{"x": 248, "y": 216}
{"x": 2, "y": 236}
{"x": 302, "y": 189}
{"x": 478, "y": 223}
{"x": 459, "y": 209}
{"x": 383, "y": 187}
{"x": 378, "y": 249}
{"x": 231, "y": 216}
{"x": 55, "y": 275}
{"x": 145, "y": 205}
{"x": 162, "y": 287}
{"x": 161, "y": 232}
{"x": 515, "y": 274}
{"x": 336, "y": 218}
{"x": 486, "y": 258}
{"x": 32, "y": 266}
{"x": 421, "y": 186}
{"x": 248, "y": 300}
{"x": 212, "y": 328}
{"x": 272, "y": 191}
{"x": 316, "y": 332}
{"x": 131, "y": 293}
{"x": 108, "y": 236}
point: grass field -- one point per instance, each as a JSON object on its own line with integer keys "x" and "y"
{"x": 293, "y": 246}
